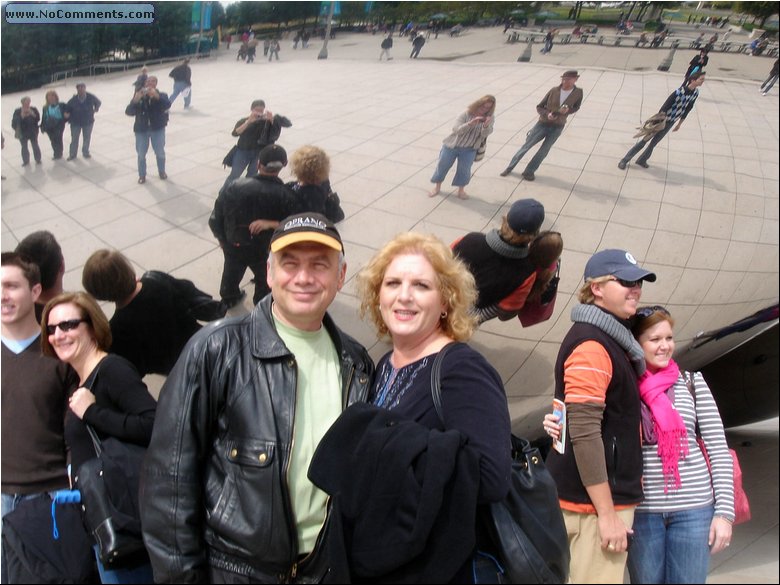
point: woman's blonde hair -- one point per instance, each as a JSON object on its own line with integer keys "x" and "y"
{"x": 310, "y": 165}
{"x": 48, "y": 93}
{"x": 90, "y": 310}
{"x": 453, "y": 279}
{"x": 474, "y": 106}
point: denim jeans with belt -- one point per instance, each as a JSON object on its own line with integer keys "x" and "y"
{"x": 447, "y": 157}
{"x": 142, "y": 139}
{"x": 547, "y": 132}
{"x": 670, "y": 547}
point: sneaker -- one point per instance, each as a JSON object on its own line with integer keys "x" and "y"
{"x": 141, "y": 180}
{"x": 622, "y": 165}
{"x": 71, "y": 158}
{"x": 163, "y": 176}
{"x": 764, "y": 92}
{"x": 87, "y": 155}
{"x": 643, "y": 164}
{"x": 505, "y": 172}
{"x": 529, "y": 176}
{"x": 25, "y": 164}
{"x": 39, "y": 161}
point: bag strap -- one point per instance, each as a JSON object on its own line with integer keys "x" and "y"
{"x": 436, "y": 380}
{"x": 96, "y": 442}
{"x": 689, "y": 383}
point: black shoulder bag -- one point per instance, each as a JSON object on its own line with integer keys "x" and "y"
{"x": 109, "y": 486}
{"x": 526, "y": 528}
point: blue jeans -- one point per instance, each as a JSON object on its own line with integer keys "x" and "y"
{"x": 447, "y": 157}
{"x": 178, "y": 87}
{"x": 670, "y": 547}
{"x": 26, "y": 151}
{"x": 142, "y": 139}
{"x": 242, "y": 159}
{"x": 139, "y": 574}
{"x": 547, "y": 132}
{"x": 645, "y": 156}
{"x": 768, "y": 83}
{"x": 9, "y": 503}
{"x": 86, "y": 132}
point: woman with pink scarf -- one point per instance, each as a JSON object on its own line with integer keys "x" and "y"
{"x": 688, "y": 511}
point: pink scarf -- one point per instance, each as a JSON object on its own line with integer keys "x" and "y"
{"x": 669, "y": 425}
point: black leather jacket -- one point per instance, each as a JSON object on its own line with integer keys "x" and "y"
{"x": 214, "y": 493}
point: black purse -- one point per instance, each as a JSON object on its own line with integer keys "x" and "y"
{"x": 109, "y": 486}
{"x": 109, "y": 496}
{"x": 228, "y": 160}
{"x": 526, "y": 528}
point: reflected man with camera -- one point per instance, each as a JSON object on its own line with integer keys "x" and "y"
{"x": 150, "y": 108}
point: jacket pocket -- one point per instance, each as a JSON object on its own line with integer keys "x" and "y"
{"x": 240, "y": 508}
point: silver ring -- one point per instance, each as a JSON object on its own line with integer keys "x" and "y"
{"x": 611, "y": 546}
{"x": 728, "y": 543}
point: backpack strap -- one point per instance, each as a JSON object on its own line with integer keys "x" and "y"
{"x": 436, "y": 380}
{"x": 692, "y": 389}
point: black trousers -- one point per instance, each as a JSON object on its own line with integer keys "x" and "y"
{"x": 237, "y": 260}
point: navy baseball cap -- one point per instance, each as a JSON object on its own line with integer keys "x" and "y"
{"x": 525, "y": 216}
{"x": 617, "y": 263}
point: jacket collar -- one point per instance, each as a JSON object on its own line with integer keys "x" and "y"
{"x": 265, "y": 341}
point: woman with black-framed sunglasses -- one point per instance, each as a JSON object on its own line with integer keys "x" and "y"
{"x": 111, "y": 398}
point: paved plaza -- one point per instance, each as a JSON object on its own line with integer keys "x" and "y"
{"x": 704, "y": 216}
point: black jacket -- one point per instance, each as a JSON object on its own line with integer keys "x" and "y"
{"x": 26, "y": 127}
{"x": 82, "y": 113}
{"x": 404, "y": 498}
{"x": 261, "y": 133}
{"x": 182, "y": 73}
{"x": 245, "y": 200}
{"x": 149, "y": 114}
{"x": 214, "y": 493}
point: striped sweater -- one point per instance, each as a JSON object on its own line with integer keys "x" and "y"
{"x": 465, "y": 136}
{"x": 696, "y": 484}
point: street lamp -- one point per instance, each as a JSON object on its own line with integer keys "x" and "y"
{"x": 324, "y": 51}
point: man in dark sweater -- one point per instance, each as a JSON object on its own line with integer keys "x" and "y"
{"x": 499, "y": 261}
{"x": 35, "y": 391}
{"x": 259, "y": 129}
{"x": 80, "y": 112}
{"x": 676, "y": 107}
{"x": 244, "y": 213}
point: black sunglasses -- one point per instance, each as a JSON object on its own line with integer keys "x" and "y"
{"x": 645, "y": 312}
{"x": 628, "y": 283}
{"x": 65, "y": 325}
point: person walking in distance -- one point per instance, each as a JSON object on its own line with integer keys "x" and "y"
{"x": 182, "y": 82}
{"x": 553, "y": 110}
{"x": 676, "y": 107}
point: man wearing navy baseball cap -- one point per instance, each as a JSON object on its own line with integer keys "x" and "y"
{"x": 239, "y": 418}
{"x": 499, "y": 261}
{"x": 599, "y": 473}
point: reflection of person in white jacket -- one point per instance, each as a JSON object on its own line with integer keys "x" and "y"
{"x": 470, "y": 129}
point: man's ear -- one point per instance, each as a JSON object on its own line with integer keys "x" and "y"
{"x": 36, "y": 290}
